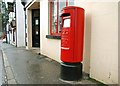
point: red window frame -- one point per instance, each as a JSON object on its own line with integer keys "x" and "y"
{"x": 56, "y": 33}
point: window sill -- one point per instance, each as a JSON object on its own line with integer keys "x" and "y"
{"x": 53, "y": 37}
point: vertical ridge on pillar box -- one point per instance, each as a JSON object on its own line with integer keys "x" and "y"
{"x": 72, "y": 34}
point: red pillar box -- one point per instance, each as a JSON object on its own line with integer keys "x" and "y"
{"x": 72, "y": 36}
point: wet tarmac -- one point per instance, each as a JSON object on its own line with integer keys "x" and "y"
{"x": 31, "y": 68}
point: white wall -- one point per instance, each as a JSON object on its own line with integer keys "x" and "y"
{"x": 119, "y": 41}
{"x": 20, "y": 20}
{"x": 49, "y": 47}
{"x": 29, "y": 29}
{"x": 104, "y": 40}
{"x": 104, "y": 44}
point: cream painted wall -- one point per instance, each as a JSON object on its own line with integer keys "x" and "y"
{"x": 49, "y": 47}
{"x": 29, "y": 29}
{"x": 119, "y": 42}
{"x": 104, "y": 40}
{"x": 104, "y": 44}
{"x": 20, "y": 19}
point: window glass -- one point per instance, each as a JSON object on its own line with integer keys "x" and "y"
{"x": 62, "y": 4}
{"x": 36, "y": 14}
{"x": 54, "y": 16}
{"x": 0, "y": 7}
{"x": 36, "y": 22}
{"x": 70, "y": 2}
{"x": 55, "y": 11}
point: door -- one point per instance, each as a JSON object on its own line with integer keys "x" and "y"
{"x": 36, "y": 28}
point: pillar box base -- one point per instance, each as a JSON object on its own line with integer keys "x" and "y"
{"x": 71, "y": 71}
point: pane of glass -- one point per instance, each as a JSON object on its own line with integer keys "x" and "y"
{"x": 36, "y": 22}
{"x": 66, "y": 23}
{"x": 36, "y": 13}
{"x": 62, "y": 4}
{"x": 59, "y": 24}
{"x": 0, "y": 7}
{"x": 54, "y": 16}
{"x": 36, "y": 30}
{"x": 70, "y": 2}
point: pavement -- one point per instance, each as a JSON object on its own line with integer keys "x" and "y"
{"x": 26, "y": 67}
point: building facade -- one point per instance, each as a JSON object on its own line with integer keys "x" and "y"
{"x": 100, "y": 39}
{"x": 16, "y": 25}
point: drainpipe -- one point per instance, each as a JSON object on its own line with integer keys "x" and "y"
{"x": 16, "y": 21}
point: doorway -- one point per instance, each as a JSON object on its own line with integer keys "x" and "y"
{"x": 36, "y": 28}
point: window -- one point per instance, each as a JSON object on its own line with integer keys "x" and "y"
{"x": 55, "y": 11}
{"x": 70, "y": 2}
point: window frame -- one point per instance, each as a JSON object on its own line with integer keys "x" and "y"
{"x": 51, "y": 21}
